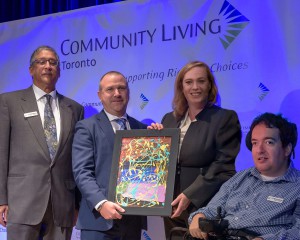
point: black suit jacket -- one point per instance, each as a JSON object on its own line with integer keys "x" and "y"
{"x": 207, "y": 155}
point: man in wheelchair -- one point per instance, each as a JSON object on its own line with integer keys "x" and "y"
{"x": 260, "y": 203}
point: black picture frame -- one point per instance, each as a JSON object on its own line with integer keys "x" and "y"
{"x": 143, "y": 171}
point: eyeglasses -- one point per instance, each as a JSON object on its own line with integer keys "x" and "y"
{"x": 42, "y": 62}
{"x": 111, "y": 90}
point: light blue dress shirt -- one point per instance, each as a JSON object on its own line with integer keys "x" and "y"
{"x": 269, "y": 208}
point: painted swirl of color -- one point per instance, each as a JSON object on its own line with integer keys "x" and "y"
{"x": 143, "y": 171}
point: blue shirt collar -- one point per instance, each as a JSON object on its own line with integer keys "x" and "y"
{"x": 290, "y": 175}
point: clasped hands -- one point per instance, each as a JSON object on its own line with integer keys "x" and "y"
{"x": 196, "y": 232}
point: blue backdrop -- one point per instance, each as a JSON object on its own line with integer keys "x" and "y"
{"x": 251, "y": 46}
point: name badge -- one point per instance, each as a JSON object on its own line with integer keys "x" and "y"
{"x": 275, "y": 199}
{"x": 30, "y": 114}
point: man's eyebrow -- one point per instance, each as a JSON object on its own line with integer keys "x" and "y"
{"x": 265, "y": 138}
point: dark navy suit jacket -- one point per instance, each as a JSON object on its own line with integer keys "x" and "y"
{"x": 92, "y": 157}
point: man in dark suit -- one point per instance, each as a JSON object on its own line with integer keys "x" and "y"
{"x": 37, "y": 188}
{"x": 92, "y": 157}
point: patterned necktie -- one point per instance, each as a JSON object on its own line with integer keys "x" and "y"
{"x": 50, "y": 127}
{"x": 122, "y": 123}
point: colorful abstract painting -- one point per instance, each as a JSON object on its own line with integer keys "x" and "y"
{"x": 143, "y": 171}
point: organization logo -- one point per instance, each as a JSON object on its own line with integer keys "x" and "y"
{"x": 234, "y": 23}
{"x": 226, "y": 26}
{"x": 263, "y": 91}
{"x": 144, "y": 101}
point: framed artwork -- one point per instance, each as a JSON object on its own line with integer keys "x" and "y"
{"x": 143, "y": 171}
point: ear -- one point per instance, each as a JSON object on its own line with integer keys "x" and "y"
{"x": 58, "y": 72}
{"x": 31, "y": 70}
{"x": 210, "y": 86}
{"x": 248, "y": 140}
{"x": 288, "y": 150}
{"x": 99, "y": 95}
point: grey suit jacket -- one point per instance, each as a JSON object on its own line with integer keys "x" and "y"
{"x": 27, "y": 174}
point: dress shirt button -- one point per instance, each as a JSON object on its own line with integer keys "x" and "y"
{"x": 236, "y": 218}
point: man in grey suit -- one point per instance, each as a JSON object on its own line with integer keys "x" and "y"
{"x": 93, "y": 144}
{"x": 37, "y": 188}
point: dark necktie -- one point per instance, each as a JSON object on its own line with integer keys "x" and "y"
{"x": 50, "y": 127}
{"x": 122, "y": 123}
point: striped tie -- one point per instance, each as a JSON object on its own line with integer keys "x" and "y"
{"x": 122, "y": 123}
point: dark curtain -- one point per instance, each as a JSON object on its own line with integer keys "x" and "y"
{"x": 19, "y": 9}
